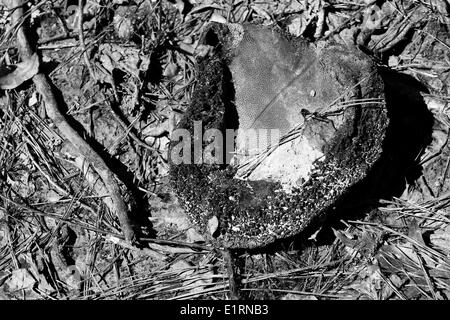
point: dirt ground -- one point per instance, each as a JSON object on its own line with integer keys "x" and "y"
{"x": 122, "y": 73}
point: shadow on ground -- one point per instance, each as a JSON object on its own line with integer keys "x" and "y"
{"x": 408, "y": 135}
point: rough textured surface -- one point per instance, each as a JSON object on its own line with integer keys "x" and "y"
{"x": 255, "y": 213}
{"x": 275, "y": 78}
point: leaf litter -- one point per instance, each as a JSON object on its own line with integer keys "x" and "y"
{"x": 58, "y": 238}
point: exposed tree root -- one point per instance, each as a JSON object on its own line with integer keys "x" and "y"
{"x": 43, "y": 86}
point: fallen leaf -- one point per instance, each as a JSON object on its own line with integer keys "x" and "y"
{"x": 22, "y": 182}
{"x": 441, "y": 239}
{"x": 171, "y": 70}
{"x": 20, "y": 279}
{"x": 213, "y": 224}
{"x": 193, "y": 236}
{"x": 156, "y": 131}
{"x": 12, "y": 3}
{"x": 437, "y": 106}
{"x": 261, "y": 12}
{"x": 215, "y": 17}
{"x": 393, "y": 61}
{"x": 347, "y": 239}
{"x": 370, "y": 282}
{"x": 33, "y": 99}
{"x": 29, "y": 263}
{"x": 127, "y": 59}
{"x": 387, "y": 291}
{"x": 297, "y": 25}
{"x": 23, "y": 71}
{"x": 73, "y": 277}
{"x": 168, "y": 213}
{"x": 205, "y": 7}
{"x": 415, "y": 232}
{"x": 123, "y": 21}
{"x": 3, "y": 239}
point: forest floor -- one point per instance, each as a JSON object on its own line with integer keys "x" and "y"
{"x": 122, "y": 73}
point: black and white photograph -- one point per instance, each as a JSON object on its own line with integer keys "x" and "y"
{"x": 231, "y": 156}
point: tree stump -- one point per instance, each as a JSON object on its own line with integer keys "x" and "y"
{"x": 279, "y": 131}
